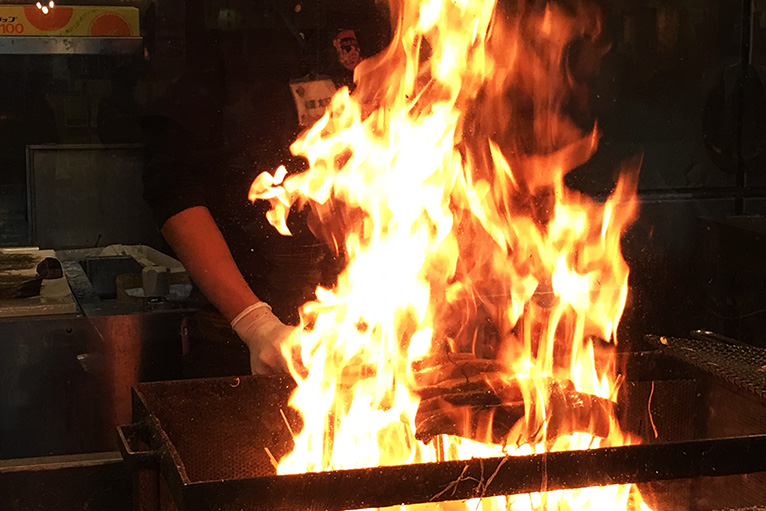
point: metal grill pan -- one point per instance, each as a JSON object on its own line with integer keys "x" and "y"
{"x": 208, "y": 439}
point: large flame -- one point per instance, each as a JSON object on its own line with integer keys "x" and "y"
{"x": 470, "y": 265}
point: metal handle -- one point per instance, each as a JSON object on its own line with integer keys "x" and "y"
{"x": 130, "y": 436}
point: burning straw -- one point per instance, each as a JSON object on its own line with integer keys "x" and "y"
{"x": 472, "y": 271}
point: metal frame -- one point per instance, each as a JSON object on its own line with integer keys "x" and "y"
{"x": 30, "y": 171}
{"x": 145, "y": 233}
{"x": 459, "y": 480}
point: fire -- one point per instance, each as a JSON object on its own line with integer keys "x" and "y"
{"x": 472, "y": 270}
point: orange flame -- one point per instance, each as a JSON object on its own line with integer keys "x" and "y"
{"x": 440, "y": 181}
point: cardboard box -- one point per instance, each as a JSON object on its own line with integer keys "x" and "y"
{"x": 69, "y": 21}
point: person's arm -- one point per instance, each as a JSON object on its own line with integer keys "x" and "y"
{"x": 199, "y": 244}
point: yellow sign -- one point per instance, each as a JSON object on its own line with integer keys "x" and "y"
{"x": 69, "y": 20}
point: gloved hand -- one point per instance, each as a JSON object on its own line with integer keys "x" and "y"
{"x": 263, "y": 333}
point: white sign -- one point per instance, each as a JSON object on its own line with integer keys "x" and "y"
{"x": 312, "y": 97}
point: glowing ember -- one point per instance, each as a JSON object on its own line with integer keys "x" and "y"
{"x": 472, "y": 270}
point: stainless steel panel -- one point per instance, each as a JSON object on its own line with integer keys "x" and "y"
{"x": 65, "y": 381}
{"x": 31, "y": 45}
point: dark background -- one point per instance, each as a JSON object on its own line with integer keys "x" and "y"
{"x": 669, "y": 89}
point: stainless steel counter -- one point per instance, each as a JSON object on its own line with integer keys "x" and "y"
{"x": 65, "y": 378}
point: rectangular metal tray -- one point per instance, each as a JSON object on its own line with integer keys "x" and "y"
{"x": 208, "y": 438}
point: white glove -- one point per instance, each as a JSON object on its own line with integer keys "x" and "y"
{"x": 263, "y": 333}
